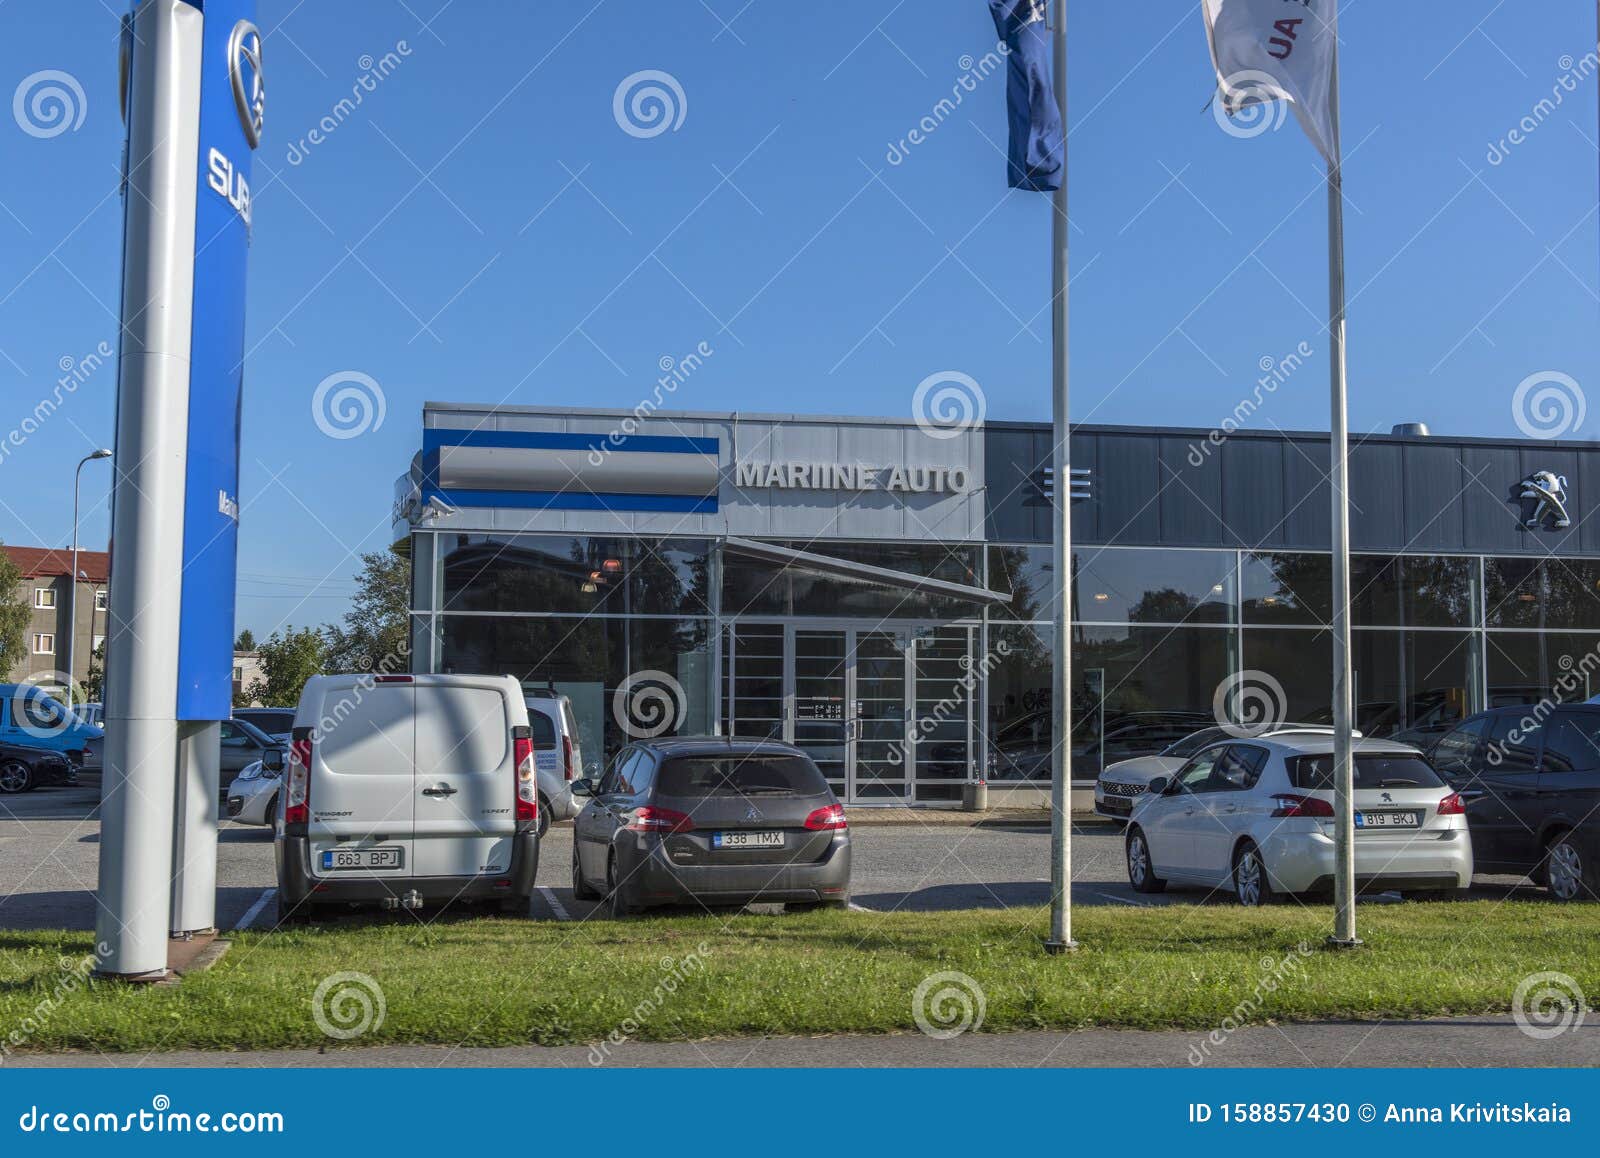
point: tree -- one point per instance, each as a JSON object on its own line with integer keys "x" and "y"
{"x": 246, "y": 641}
{"x": 376, "y": 636}
{"x": 288, "y": 660}
{"x": 94, "y": 681}
{"x": 15, "y": 615}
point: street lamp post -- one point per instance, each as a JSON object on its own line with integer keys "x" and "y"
{"x": 72, "y": 587}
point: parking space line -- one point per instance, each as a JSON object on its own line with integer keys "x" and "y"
{"x": 555, "y": 904}
{"x": 254, "y": 910}
{"x": 855, "y": 908}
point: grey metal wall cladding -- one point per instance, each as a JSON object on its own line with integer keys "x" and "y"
{"x": 1155, "y": 487}
{"x": 504, "y": 468}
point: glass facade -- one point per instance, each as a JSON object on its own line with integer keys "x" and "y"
{"x": 903, "y": 694}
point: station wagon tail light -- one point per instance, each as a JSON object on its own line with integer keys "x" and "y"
{"x": 827, "y": 819}
{"x": 1287, "y": 804}
{"x": 297, "y": 805}
{"x": 1452, "y": 805}
{"x": 566, "y": 757}
{"x": 653, "y": 819}
{"x": 527, "y": 787}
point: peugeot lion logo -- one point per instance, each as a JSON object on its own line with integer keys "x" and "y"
{"x": 753, "y": 814}
{"x": 249, "y": 84}
{"x": 1544, "y": 497}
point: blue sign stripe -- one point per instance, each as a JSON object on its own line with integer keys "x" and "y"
{"x": 576, "y": 500}
{"x": 435, "y": 438}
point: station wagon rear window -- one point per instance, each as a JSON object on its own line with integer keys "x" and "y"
{"x": 542, "y": 728}
{"x": 740, "y": 775}
{"x": 1315, "y": 773}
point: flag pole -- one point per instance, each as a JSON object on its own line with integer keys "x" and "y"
{"x": 1344, "y": 881}
{"x": 1061, "y": 507}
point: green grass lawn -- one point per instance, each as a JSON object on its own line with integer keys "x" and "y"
{"x": 498, "y": 981}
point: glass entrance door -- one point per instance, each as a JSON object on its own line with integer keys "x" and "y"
{"x": 886, "y": 712}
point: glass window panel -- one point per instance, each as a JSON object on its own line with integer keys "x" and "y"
{"x": 1413, "y": 591}
{"x": 555, "y": 573}
{"x": 1542, "y": 593}
{"x": 1572, "y": 742}
{"x": 1152, "y": 586}
{"x": 1527, "y": 666}
{"x": 589, "y": 658}
{"x": 1135, "y": 690}
{"x": 1285, "y": 587}
{"x": 1024, "y": 571}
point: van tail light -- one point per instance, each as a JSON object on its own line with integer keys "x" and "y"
{"x": 1452, "y": 805}
{"x": 527, "y": 784}
{"x": 566, "y": 757}
{"x": 297, "y": 804}
{"x": 827, "y": 819}
{"x": 1288, "y": 804}
{"x": 653, "y": 819}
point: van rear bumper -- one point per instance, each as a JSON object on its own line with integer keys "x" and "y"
{"x": 296, "y": 882}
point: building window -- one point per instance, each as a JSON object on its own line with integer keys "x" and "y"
{"x": 100, "y": 600}
{"x": 99, "y": 642}
{"x": 44, "y": 597}
{"x": 44, "y": 643}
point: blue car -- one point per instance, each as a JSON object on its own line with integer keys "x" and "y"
{"x": 30, "y": 716}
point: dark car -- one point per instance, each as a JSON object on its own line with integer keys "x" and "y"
{"x": 275, "y": 722}
{"x": 23, "y": 769}
{"x": 710, "y": 822}
{"x": 1530, "y": 777}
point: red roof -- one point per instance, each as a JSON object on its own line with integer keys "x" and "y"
{"x": 42, "y": 562}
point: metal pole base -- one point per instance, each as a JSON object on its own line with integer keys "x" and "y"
{"x": 1341, "y": 943}
{"x": 154, "y": 977}
{"x": 1056, "y": 948}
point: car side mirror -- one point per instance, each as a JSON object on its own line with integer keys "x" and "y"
{"x": 1159, "y": 786}
{"x": 583, "y": 787}
{"x": 272, "y": 760}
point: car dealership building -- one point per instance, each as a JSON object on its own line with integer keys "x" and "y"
{"x": 878, "y": 591}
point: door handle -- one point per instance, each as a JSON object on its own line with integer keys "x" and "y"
{"x": 440, "y": 790}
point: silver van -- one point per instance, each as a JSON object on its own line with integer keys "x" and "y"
{"x": 406, "y": 790}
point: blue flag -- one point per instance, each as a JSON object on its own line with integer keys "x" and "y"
{"x": 1035, "y": 157}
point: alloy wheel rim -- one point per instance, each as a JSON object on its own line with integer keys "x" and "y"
{"x": 1136, "y": 859}
{"x": 13, "y": 777}
{"x": 1249, "y": 882}
{"x": 1565, "y": 870}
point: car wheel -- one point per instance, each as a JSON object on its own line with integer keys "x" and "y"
{"x": 1251, "y": 885}
{"x": 580, "y": 888}
{"x": 1141, "y": 869}
{"x": 270, "y": 816}
{"x": 1567, "y": 873}
{"x": 616, "y": 892}
{"x": 544, "y": 814}
{"x": 15, "y": 776}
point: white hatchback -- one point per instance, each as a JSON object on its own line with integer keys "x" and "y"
{"x": 1256, "y": 815}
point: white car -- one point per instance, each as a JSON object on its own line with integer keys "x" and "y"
{"x": 253, "y": 795}
{"x": 1256, "y": 816}
{"x": 1124, "y": 782}
{"x": 557, "y": 754}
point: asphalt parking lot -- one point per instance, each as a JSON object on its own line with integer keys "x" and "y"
{"x": 49, "y": 845}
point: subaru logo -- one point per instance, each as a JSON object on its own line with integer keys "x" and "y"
{"x": 249, "y": 84}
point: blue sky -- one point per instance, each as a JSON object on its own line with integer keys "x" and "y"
{"x": 481, "y": 229}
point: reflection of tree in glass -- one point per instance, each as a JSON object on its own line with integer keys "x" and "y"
{"x": 1168, "y": 605}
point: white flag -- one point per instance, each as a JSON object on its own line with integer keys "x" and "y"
{"x": 1271, "y": 50}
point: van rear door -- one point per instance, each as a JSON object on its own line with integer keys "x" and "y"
{"x": 363, "y": 750}
{"x": 465, "y": 794}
